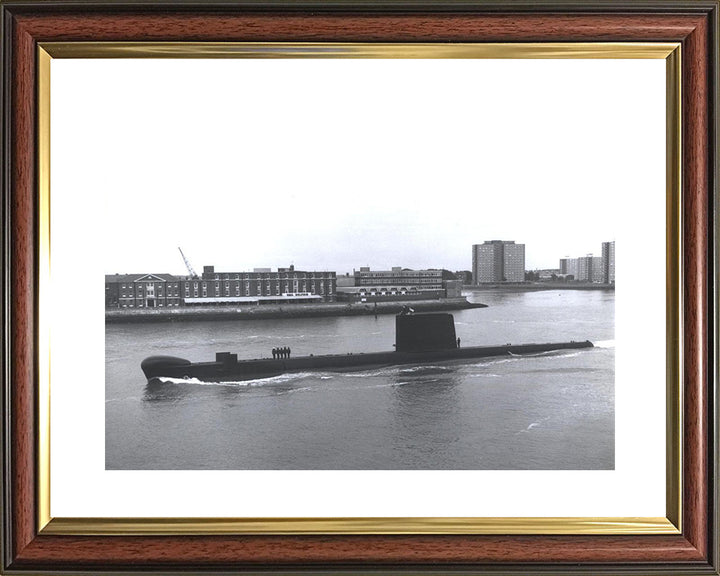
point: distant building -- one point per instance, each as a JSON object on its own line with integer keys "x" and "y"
{"x": 589, "y": 269}
{"x": 345, "y": 280}
{"x": 596, "y": 269}
{"x": 399, "y": 284}
{"x": 584, "y": 268}
{"x": 568, "y": 267}
{"x": 514, "y": 262}
{"x": 498, "y": 261}
{"x": 487, "y": 262}
{"x": 465, "y": 276}
{"x": 547, "y": 274}
{"x": 608, "y": 262}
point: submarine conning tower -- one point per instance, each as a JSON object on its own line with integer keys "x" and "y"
{"x": 424, "y": 332}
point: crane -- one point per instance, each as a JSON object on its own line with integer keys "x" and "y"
{"x": 187, "y": 264}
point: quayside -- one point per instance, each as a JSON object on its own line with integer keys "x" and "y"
{"x": 420, "y": 338}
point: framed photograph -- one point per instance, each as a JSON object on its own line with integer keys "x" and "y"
{"x": 362, "y": 308}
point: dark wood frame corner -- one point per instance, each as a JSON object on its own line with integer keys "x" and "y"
{"x": 27, "y": 23}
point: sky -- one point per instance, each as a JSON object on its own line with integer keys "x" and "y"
{"x": 338, "y": 164}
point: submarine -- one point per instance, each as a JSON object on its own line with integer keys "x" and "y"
{"x": 420, "y": 338}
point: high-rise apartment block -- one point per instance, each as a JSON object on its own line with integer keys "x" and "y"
{"x": 608, "y": 262}
{"x": 589, "y": 269}
{"x": 597, "y": 269}
{"x": 568, "y": 267}
{"x": 498, "y": 261}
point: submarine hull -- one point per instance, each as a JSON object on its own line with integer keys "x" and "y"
{"x": 227, "y": 368}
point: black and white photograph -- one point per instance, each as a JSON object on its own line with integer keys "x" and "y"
{"x": 313, "y": 264}
{"x": 359, "y": 285}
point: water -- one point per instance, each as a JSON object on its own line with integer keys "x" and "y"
{"x": 548, "y": 411}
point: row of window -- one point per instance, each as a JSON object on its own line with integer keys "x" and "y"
{"x": 140, "y": 294}
{"x": 151, "y": 284}
{"x": 405, "y": 273}
{"x": 141, "y": 298}
{"x": 296, "y": 286}
{"x": 150, "y": 287}
{"x": 386, "y": 292}
{"x": 159, "y": 305}
{"x": 274, "y": 276}
{"x": 259, "y": 289}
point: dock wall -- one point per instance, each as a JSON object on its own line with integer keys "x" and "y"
{"x": 265, "y": 311}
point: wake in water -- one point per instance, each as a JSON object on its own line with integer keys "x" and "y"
{"x": 281, "y": 379}
{"x": 420, "y": 370}
{"x": 415, "y": 373}
{"x": 553, "y": 354}
{"x": 512, "y": 357}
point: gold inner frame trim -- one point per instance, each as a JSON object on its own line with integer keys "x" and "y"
{"x": 44, "y": 291}
{"x": 674, "y": 309}
{"x": 288, "y": 526}
{"x": 567, "y": 50}
{"x": 437, "y": 525}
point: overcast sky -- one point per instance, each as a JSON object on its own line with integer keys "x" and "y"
{"x": 337, "y": 164}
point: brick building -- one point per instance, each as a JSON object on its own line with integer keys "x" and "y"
{"x": 260, "y": 285}
{"x": 286, "y": 285}
{"x": 142, "y": 291}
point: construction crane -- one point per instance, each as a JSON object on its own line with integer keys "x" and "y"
{"x": 187, "y": 264}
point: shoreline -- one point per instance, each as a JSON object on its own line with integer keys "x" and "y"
{"x": 272, "y": 311}
{"x": 535, "y": 287}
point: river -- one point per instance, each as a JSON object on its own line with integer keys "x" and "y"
{"x": 550, "y": 411}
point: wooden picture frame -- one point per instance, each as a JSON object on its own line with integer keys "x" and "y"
{"x": 31, "y": 545}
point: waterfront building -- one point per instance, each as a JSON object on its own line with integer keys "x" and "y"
{"x": 568, "y": 267}
{"x": 142, "y": 291}
{"x": 513, "y": 262}
{"x": 399, "y": 284}
{"x": 498, "y": 261}
{"x": 286, "y": 285}
{"x": 608, "y": 262}
{"x": 487, "y": 262}
{"x": 596, "y": 269}
{"x": 573, "y": 267}
{"x": 589, "y": 269}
